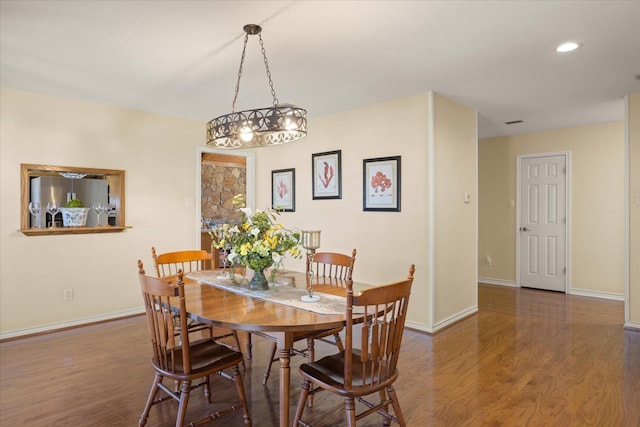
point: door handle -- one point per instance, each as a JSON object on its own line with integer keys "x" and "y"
{"x": 524, "y": 229}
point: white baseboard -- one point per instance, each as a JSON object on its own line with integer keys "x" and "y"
{"x": 632, "y": 325}
{"x": 442, "y": 324}
{"x": 418, "y": 326}
{"x": 70, "y": 323}
{"x": 453, "y": 319}
{"x": 596, "y": 294}
{"x": 499, "y": 282}
{"x": 571, "y": 291}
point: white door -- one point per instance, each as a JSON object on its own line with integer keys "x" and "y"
{"x": 543, "y": 222}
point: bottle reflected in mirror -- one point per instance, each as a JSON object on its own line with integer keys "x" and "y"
{"x": 112, "y": 215}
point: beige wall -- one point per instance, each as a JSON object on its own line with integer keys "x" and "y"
{"x": 596, "y": 205}
{"x": 496, "y": 218}
{"x": 455, "y": 239}
{"x": 633, "y": 303}
{"x": 158, "y": 156}
{"x": 387, "y": 242}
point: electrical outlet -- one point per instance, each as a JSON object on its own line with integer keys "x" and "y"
{"x": 68, "y": 294}
{"x": 488, "y": 260}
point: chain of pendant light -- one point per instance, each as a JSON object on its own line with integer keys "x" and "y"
{"x": 266, "y": 66}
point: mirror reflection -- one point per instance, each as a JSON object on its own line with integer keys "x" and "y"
{"x": 56, "y": 197}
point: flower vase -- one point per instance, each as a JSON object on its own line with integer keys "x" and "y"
{"x": 259, "y": 281}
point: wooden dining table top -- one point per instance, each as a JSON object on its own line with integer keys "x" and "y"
{"x": 210, "y": 304}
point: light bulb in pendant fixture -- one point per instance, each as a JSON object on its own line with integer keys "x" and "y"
{"x": 290, "y": 124}
{"x": 246, "y": 134}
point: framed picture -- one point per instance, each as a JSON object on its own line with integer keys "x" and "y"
{"x": 326, "y": 175}
{"x": 283, "y": 190}
{"x": 381, "y": 184}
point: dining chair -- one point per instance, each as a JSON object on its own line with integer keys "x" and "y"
{"x": 336, "y": 270}
{"x": 368, "y": 364}
{"x": 168, "y": 264}
{"x": 177, "y": 357}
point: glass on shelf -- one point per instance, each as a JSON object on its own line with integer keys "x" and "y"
{"x": 97, "y": 208}
{"x": 34, "y": 209}
{"x": 53, "y": 209}
{"x": 105, "y": 209}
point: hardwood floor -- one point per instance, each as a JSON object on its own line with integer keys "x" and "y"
{"x": 527, "y": 358}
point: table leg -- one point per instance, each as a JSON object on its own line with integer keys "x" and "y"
{"x": 285, "y": 343}
{"x": 285, "y": 383}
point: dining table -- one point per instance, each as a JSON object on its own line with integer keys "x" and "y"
{"x": 212, "y": 297}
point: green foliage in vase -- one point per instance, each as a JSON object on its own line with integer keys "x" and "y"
{"x": 74, "y": 203}
{"x": 259, "y": 242}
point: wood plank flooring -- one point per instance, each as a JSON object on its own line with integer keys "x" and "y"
{"x": 527, "y": 358}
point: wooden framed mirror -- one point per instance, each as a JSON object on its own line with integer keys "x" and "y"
{"x": 101, "y": 192}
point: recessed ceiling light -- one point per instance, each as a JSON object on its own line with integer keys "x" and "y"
{"x": 567, "y": 47}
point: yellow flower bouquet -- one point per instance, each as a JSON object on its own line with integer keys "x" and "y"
{"x": 258, "y": 242}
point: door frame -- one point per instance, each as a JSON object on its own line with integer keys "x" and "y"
{"x": 250, "y": 198}
{"x": 519, "y": 159}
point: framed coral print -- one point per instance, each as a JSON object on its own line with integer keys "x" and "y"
{"x": 283, "y": 190}
{"x": 381, "y": 184}
{"x": 326, "y": 175}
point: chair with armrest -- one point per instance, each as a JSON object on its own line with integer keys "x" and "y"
{"x": 371, "y": 368}
{"x": 176, "y": 357}
{"x": 168, "y": 264}
{"x": 336, "y": 270}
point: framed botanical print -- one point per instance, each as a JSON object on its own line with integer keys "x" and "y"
{"x": 283, "y": 190}
{"x": 326, "y": 175}
{"x": 381, "y": 184}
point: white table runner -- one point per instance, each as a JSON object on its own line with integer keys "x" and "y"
{"x": 281, "y": 292}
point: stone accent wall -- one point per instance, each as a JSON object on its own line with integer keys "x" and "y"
{"x": 220, "y": 183}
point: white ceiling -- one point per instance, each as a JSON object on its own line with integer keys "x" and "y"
{"x": 181, "y": 58}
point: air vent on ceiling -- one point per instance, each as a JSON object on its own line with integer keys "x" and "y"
{"x": 513, "y": 122}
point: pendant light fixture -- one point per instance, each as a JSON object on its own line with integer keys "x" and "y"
{"x": 260, "y": 127}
